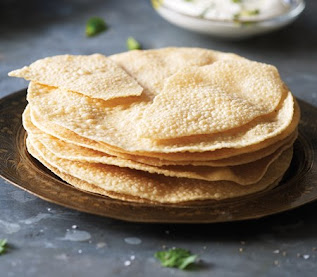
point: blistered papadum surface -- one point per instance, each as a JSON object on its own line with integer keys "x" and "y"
{"x": 213, "y": 98}
{"x": 117, "y": 125}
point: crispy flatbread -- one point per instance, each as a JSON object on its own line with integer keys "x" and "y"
{"x": 154, "y": 187}
{"x": 213, "y": 98}
{"x": 169, "y": 126}
{"x": 95, "y": 76}
{"x": 241, "y": 174}
{"x": 161, "y": 160}
{"x": 116, "y": 126}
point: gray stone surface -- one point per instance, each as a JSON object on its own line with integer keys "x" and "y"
{"x": 42, "y": 241}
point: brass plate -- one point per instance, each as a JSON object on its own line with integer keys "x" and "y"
{"x": 298, "y": 187}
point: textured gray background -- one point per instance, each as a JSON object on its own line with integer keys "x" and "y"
{"x": 42, "y": 241}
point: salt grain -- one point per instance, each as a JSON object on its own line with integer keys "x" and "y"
{"x": 127, "y": 263}
{"x": 133, "y": 240}
{"x": 101, "y": 245}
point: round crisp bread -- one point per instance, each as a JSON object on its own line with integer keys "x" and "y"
{"x": 156, "y": 187}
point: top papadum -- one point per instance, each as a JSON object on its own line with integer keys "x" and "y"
{"x": 163, "y": 102}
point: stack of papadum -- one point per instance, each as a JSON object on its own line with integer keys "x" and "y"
{"x": 171, "y": 125}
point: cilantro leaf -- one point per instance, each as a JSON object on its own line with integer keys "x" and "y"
{"x": 94, "y": 26}
{"x": 253, "y": 12}
{"x": 133, "y": 44}
{"x": 188, "y": 261}
{"x": 3, "y": 246}
{"x": 178, "y": 257}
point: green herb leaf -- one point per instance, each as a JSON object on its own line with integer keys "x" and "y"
{"x": 178, "y": 257}
{"x": 188, "y": 261}
{"x": 249, "y": 12}
{"x": 94, "y": 26}
{"x": 236, "y": 1}
{"x": 133, "y": 44}
{"x": 245, "y": 13}
{"x": 3, "y": 246}
{"x": 253, "y": 12}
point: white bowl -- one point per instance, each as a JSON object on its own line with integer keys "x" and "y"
{"x": 231, "y": 28}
